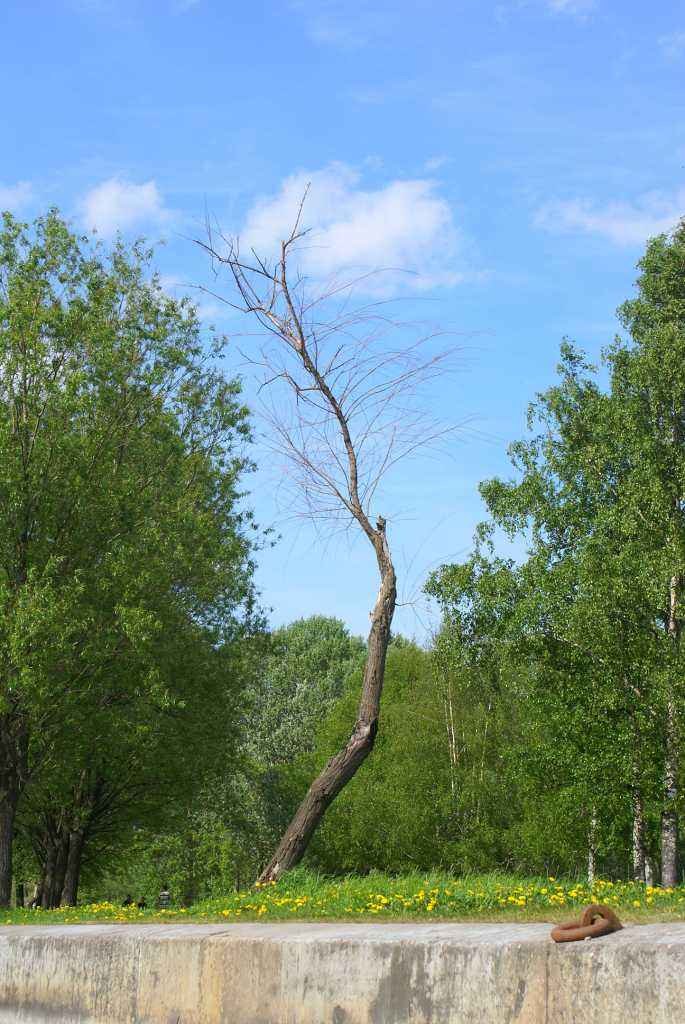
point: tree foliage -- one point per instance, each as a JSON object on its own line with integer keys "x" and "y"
{"x": 126, "y": 560}
{"x": 303, "y": 675}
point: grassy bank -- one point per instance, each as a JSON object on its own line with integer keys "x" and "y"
{"x": 305, "y": 896}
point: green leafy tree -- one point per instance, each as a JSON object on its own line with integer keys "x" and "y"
{"x": 135, "y": 767}
{"x": 582, "y": 622}
{"x": 121, "y": 452}
{"x": 600, "y": 491}
{"x": 648, "y": 391}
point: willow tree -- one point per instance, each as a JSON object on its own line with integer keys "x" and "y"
{"x": 341, "y": 406}
{"x": 121, "y": 448}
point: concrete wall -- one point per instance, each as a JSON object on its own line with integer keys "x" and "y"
{"x": 339, "y": 974}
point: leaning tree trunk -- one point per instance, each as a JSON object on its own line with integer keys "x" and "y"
{"x": 332, "y": 391}
{"x": 343, "y": 765}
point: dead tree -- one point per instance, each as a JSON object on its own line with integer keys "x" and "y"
{"x": 349, "y": 416}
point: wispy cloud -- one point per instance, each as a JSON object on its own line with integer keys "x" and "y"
{"x": 436, "y": 162}
{"x": 116, "y": 205}
{"x": 573, "y": 7}
{"x": 327, "y": 23}
{"x": 624, "y": 223}
{"x": 403, "y": 229}
{"x": 16, "y": 197}
{"x": 347, "y": 25}
{"x": 329, "y": 30}
{"x": 673, "y": 44}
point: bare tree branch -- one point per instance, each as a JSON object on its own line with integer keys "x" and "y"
{"x": 343, "y": 405}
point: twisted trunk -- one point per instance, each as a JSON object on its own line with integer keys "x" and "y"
{"x": 342, "y": 766}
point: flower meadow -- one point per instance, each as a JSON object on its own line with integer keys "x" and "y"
{"x": 305, "y": 896}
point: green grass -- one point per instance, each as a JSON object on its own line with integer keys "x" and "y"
{"x": 305, "y": 896}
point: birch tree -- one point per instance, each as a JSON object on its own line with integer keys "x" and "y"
{"x": 648, "y": 386}
{"x": 601, "y": 489}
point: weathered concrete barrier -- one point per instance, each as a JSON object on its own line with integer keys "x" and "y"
{"x": 339, "y": 974}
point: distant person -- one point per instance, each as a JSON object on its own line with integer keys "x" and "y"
{"x": 128, "y": 902}
{"x": 142, "y": 903}
{"x": 164, "y": 898}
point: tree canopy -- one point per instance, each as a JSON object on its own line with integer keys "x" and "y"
{"x": 126, "y": 555}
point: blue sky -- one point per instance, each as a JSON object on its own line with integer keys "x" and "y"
{"x": 515, "y": 156}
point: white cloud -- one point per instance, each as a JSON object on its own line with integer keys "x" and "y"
{"x": 117, "y": 204}
{"x": 329, "y": 31}
{"x": 570, "y": 6}
{"x": 402, "y": 227}
{"x": 343, "y": 25}
{"x": 436, "y": 162}
{"x": 673, "y": 44}
{"x": 14, "y": 197}
{"x": 620, "y": 222}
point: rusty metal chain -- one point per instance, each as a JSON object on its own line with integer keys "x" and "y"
{"x": 596, "y": 920}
